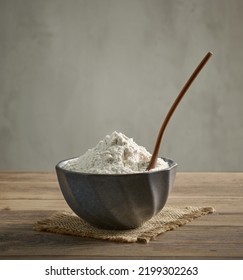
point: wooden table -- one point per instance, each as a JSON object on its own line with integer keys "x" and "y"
{"x": 26, "y": 197}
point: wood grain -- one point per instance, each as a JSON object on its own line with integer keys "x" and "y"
{"x": 26, "y": 197}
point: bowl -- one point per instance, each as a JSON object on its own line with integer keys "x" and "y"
{"x": 116, "y": 201}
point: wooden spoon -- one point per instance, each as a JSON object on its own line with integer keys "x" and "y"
{"x": 154, "y": 157}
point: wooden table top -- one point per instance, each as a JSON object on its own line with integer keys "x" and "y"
{"x": 26, "y": 197}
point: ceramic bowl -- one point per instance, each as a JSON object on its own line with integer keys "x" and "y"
{"x": 116, "y": 201}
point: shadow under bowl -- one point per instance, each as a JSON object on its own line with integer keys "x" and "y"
{"x": 116, "y": 201}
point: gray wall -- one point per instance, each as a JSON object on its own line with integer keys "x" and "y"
{"x": 74, "y": 71}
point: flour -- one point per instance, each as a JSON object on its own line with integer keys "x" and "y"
{"x": 115, "y": 154}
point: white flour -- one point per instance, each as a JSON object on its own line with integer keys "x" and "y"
{"x": 115, "y": 154}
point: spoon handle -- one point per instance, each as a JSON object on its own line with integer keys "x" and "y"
{"x": 154, "y": 157}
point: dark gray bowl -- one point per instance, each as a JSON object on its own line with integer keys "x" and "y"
{"x": 116, "y": 201}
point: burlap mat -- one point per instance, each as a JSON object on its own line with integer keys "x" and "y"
{"x": 168, "y": 219}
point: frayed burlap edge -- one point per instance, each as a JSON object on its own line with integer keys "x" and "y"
{"x": 186, "y": 218}
{"x": 70, "y": 224}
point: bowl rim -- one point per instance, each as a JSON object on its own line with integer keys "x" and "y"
{"x": 172, "y": 165}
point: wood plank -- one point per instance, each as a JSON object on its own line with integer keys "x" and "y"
{"x": 33, "y": 204}
{"x": 183, "y": 178}
{"x": 45, "y": 185}
{"x": 206, "y": 178}
{"x": 231, "y": 205}
{"x": 30, "y": 190}
{"x": 40, "y": 190}
{"x": 20, "y": 176}
{"x": 187, "y": 241}
{"x": 31, "y": 217}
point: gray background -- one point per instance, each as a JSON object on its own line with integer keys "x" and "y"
{"x": 74, "y": 71}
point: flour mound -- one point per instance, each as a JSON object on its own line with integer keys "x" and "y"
{"x": 115, "y": 154}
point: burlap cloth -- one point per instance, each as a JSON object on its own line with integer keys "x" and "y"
{"x": 168, "y": 219}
